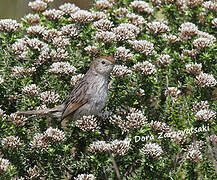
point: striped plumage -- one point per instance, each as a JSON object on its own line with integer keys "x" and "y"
{"x": 89, "y": 96}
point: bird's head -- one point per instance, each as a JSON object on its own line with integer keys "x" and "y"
{"x": 103, "y": 65}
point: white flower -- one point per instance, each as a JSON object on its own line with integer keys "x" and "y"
{"x": 31, "y": 89}
{"x": 121, "y": 71}
{"x": 158, "y": 27}
{"x": 9, "y": 25}
{"x": 145, "y": 68}
{"x": 205, "y": 115}
{"x": 49, "y": 97}
{"x": 119, "y": 147}
{"x": 105, "y": 36}
{"x": 38, "y": 5}
{"x": 123, "y": 54}
{"x": 142, "y": 46}
{"x": 141, "y": 6}
{"x": 87, "y": 123}
{"x": 153, "y": 150}
{"x": 126, "y": 31}
{"x": 69, "y": 8}
{"x": 62, "y": 68}
{"x": 205, "y": 80}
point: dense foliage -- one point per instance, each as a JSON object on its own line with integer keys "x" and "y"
{"x": 160, "y": 119}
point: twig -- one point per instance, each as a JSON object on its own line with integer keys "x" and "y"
{"x": 115, "y": 166}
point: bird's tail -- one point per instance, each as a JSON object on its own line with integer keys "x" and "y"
{"x": 42, "y": 111}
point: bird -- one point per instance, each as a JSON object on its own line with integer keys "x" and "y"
{"x": 89, "y": 95}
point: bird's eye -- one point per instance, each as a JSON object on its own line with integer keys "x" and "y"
{"x": 103, "y": 62}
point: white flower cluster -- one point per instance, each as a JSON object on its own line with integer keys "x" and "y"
{"x": 99, "y": 146}
{"x": 119, "y": 147}
{"x": 193, "y": 68}
{"x": 136, "y": 20}
{"x": 31, "y": 90}
{"x": 159, "y": 126}
{"x": 145, "y": 68}
{"x": 19, "y": 71}
{"x": 202, "y": 105}
{"x": 85, "y": 177}
{"x": 214, "y": 22}
{"x": 36, "y": 44}
{"x": 142, "y": 46}
{"x": 103, "y": 24}
{"x": 126, "y": 31}
{"x": 53, "y": 14}
{"x": 163, "y": 60}
{"x": 194, "y": 3}
{"x": 17, "y": 119}
{"x": 33, "y": 172}
{"x": 187, "y": 30}
{"x": 82, "y": 16}
{"x": 129, "y": 119}
{"x": 210, "y": 37}
{"x": 123, "y": 54}
{"x": 92, "y": 49}
{"x": 87, "y": 123}
{"x": 202, "y": 111}
{"x": 9, "y": 25}
{"x": 105, "y": 36}
{"x": 193, "y": 154}
{"x": 173, "y": 92}
{"x": 11, "y": 141}
{"x": 20, "y": 46}
{"x": 157, "y": 27}
{"x": 70, "y": 30}
{"x": 69, "y": 8}
{"x": 205, "y": 80}
{"x": 192, "y": 53}
{"x": 38, "y": 5}
{"x": 49, "y": 97}
{"x": 121, "y": 71}
{"x": 39, "y": 141}
{"x": 55, "y": 135}
{"x": 141, "y": 6}
{"x": 60, "y": 42}
{"x": 4, "y": 163}
{"x": 33, "y": 18}
{"x": 36, "y": 30}
{"x": 103, "y": 4}
{"x": 202, "y": 43}
{"x": 171, "y": 38}
{"x": 59, "y": 54}
{"x": 210, "y": 6}
{"x": 98, "y": 15}
{"x": 205, "y": 115}
{"x": 152, "y": 149}
{"x": 76, "y": 79}
{"x": 62, "y": 68}
{"x": 43, "y": 57}
{"x": 121, "y": 13}
{"x": 43, "y": 140}
{"x": 49, "y": 34}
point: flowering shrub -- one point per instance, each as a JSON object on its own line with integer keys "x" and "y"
{"x": 160, "y": 118}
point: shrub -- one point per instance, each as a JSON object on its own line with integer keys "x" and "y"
{"x": 160, "y": 118}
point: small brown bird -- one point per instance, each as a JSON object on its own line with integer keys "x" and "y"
{"x": 88, "y": 97}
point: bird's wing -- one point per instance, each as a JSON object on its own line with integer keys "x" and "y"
{"x": 77, "y": 98}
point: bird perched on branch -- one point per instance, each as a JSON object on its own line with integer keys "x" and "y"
{"x": 88, "y": 97}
